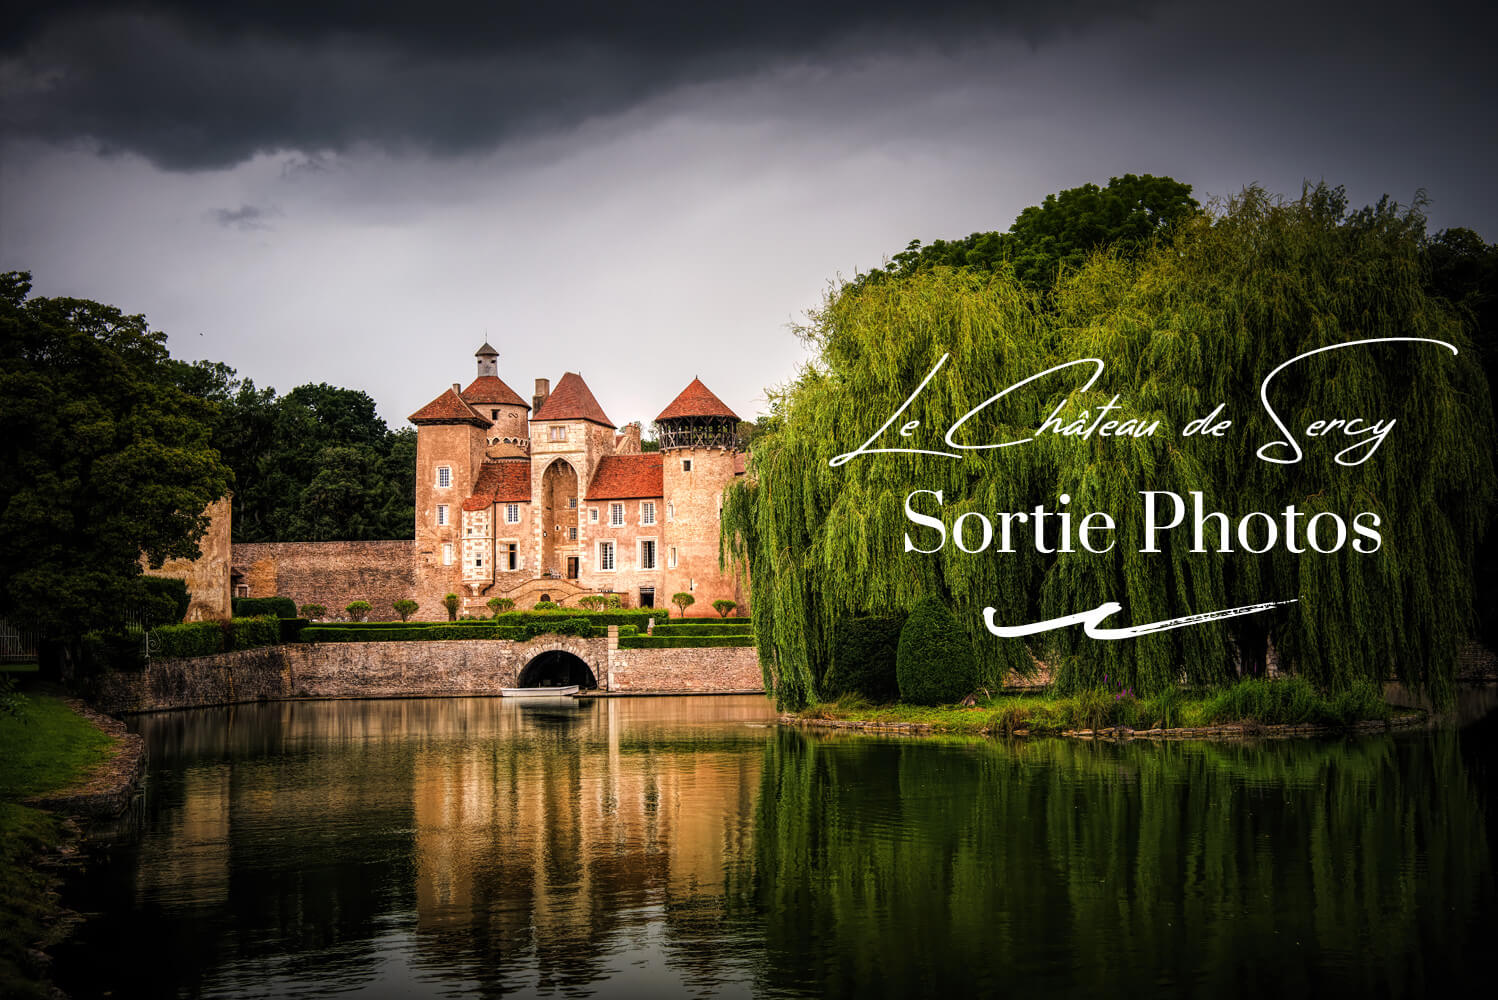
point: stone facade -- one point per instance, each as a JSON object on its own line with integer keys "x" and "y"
{"x": 559, "y": 503}
{"x": 207, "y": 577}
{"x": 413, "y": 669}
{"x": 333, "y": 574}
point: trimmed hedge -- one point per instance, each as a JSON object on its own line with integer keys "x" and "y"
{"x": 164, "y": 599}
{"x": 863, "y": 658}
{"x": 190, "y": 639}
{"x": 459, "y": 631}
{"x": 711, "y": 620}
{"x": 276, "y": 607}
{"x": 631, "y": 616}
{"x": 935, "y": 663}
{"x": 291, "y": 628}
{"x": 709, "y": 630}
{"x": 247, "y": 633}
{"x": 683, "y": 641}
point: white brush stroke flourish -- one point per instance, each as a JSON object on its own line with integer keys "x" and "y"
{"x": 1093, "y": 621}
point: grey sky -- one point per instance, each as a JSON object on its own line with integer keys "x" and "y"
{"x": 313, "y": 199}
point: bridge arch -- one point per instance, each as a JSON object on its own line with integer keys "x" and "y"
{"x": 557, "y": 668}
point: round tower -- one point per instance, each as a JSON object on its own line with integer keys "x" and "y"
{"x": 508, "y": 414}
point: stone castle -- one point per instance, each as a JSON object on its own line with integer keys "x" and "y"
{"x": 549, "y": 500}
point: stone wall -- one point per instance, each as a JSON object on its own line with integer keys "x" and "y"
{"x": 715, "y": 669}
{"x": 333, "y": 574}
{"x": 412, "y": 669}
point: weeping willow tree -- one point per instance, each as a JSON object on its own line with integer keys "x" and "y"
{"x": 1200, "y": 320}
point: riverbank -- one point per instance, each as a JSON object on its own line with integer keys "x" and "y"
{"x": 61, "y": 759}
{"x": 1288, "y": 707}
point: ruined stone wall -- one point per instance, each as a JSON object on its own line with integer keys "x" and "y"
{"x": 411, "y": 669}
{"x": 207, "y": 577}
{"x": 333, "y": 574}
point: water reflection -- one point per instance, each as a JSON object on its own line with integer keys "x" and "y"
{"x": 681, "y": 847}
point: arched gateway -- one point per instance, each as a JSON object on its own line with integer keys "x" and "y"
{"x": 557, "y": 668}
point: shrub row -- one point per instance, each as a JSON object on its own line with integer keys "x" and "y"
{"x": 863, "y": 658}
{"x": 709, "y": 630}
{"x": 459, "y": 631}
{"x": 708, "y": 620}
{"x": 683, "y": 641}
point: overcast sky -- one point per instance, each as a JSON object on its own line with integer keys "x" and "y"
{"x": 361, "y": 195}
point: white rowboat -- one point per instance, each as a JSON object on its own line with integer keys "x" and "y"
{"x": 544, "y": 692}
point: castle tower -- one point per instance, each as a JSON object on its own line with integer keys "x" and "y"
{"x": 699, "y": 440}
{"x": 570, "y": 435}
{"x": 450, "y": 445}
{"x": 504, "y": 408}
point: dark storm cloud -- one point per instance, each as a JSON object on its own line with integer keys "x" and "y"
{"x": 192, "y": 85}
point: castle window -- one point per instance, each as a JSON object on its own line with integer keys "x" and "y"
{"x": 686, "y": 465}
{"x": 616, "y": 515}
{"x": 572, "y": 503}
{"x": 606, "y": 555}
{"x": 671, "y": 558}
{"x": 478, "y": 562}
{"x": 556, "y": 433}
{"x": 444, "y": 476}
{"x": 572, "y": 533}
{"x": 512, "y": 555}
{"x": 441, "y": 514}
{"x": 592, "y": 515}
{"x": 512, "y": 513}
{"x": 670, "y": 511}
{"x": 647, "y": 512}
{"x": 447, "y": 553}
{"x": 647, "y": 553}
{"x": 493, "y": 414}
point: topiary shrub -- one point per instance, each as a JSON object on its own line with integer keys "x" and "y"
{"x": 405, "y": 607}
{"x": 546, "y": 606}
{"x": 683, "y": 600}
{"x": 723, "y": 606}
{"x": 313, "y": 611}
{"x": 864, "y": 651}
{"x": 934, "y": 663}
{"x": 599, "y": 602}
{"x": 357, "y": 610}
{"x": 254, "y": 607}
{"x": 499, "y": 605}
{"x": 451, "y": 602}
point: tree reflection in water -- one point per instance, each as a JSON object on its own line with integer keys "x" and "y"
{"x": 635, "y": 846}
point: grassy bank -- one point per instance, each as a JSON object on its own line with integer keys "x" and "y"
{"x": 45, "y": 749}
{"x": 1290, "y": 701}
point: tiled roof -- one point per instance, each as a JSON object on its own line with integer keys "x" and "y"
{"x": 624, "y": 477}
{"x": 508, "y": 481}
{"x": 491, "y": 389}
{"x": 697, "y": 400}
{"x": 447, "y": 408}
{"x": 486, "y": 351}
{"x": 572, "y": 400}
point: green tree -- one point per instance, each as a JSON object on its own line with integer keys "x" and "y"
{"x": 452, "y": 603}
{"x": 103, "y": 458}
{"x": 1059, "y": 233}
{"x": 723, "y": 606}
{"x": 1190, "y": 323}
{"x": 405, "y": 607}
{"x": 499, "y": 605}
{"x": 683, "y": 600}
{"x": 934, "y": 661}
{"x": 357, "y": 610}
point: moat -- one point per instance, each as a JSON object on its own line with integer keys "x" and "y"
{"x": 690, "y": 847}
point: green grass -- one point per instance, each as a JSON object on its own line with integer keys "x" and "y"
{"x": 1290, "y": 701}
{"x": 44, "y": 750}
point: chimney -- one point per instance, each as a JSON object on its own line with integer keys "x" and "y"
{"x": 458, "y": 388}
{"x": 543, "y": 389}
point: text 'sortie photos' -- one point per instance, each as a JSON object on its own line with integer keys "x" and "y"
{"x": 779, "y": 501}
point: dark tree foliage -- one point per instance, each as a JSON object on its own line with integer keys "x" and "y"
{"x": 103, "y": 458}
{"x": 1060, "y": 232}
{"x": 1463, "y": 270}
{"x": 317, "y": 464}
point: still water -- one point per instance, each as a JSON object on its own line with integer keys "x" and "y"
{"x": 688, "y": 847}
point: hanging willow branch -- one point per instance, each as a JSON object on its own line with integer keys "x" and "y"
{"x": 1196, "y": 322}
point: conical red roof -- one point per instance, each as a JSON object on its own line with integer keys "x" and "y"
{"x": 447, "y": 408}
{"x": 696, "y": 400}
{"x": 572, "y": 400}
{"x": 492, "y": 390}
